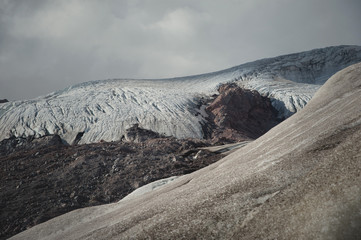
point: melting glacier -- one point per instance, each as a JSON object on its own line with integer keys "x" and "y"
{"x": 104, "y": 109}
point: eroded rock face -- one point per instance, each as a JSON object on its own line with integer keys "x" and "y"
{"x": 240, "y": 114}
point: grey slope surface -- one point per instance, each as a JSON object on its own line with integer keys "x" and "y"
{"x": 103, "y": 110}
{"x": 301, "y": 180}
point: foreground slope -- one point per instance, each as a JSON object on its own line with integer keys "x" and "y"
{"x": 103, "y": 110}
{"x": 301, "y": 180}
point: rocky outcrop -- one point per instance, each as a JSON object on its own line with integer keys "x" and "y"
{"x": 3, "y": 101}
{"x": 238, "y": 114}
{"x": 137, "y": 134}
{"x": 13, "y": 144}
{"x": 42, "y": 178}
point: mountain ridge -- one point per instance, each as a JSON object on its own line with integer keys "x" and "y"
{"x": 104, "y": 109}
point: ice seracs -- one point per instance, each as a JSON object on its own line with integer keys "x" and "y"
{"x": 103, "y": 110}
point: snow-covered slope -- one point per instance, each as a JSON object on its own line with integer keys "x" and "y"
{"x": 102, "y": 110}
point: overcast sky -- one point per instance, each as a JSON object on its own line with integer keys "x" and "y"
{"x": 48, "y": 45}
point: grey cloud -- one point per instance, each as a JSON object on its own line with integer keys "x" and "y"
{"x": 48, "y": 45}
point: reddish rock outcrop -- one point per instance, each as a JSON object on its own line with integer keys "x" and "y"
{"x": 239, "y": 114}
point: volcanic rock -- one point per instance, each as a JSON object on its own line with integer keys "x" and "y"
{"x": 240, "y": 114}
{"x": 42, "y": 178}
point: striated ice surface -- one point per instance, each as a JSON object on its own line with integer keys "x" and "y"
{"x": 102, "y": 110}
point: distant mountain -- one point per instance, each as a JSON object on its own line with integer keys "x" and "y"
{"x": 301, "y": 180}
{"x": 103, "y": 110}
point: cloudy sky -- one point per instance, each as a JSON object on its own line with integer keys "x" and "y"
{"x": 48, "y": 45}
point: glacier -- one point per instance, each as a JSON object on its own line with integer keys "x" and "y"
{"x": 102, "y": 110}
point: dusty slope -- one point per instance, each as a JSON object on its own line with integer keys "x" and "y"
{"x": 301, "y": 180}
